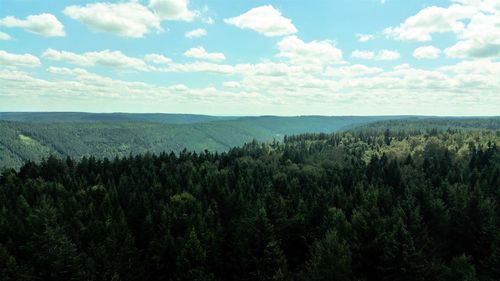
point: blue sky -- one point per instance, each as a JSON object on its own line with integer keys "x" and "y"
{"x": 290, "y": 57}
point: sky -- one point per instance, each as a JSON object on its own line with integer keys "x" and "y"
{"x": 241, "y": 57}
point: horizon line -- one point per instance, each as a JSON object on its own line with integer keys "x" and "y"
{"x": 236, "y": 115}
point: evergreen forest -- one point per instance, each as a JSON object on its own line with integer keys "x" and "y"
{"x": 389, "y": 201}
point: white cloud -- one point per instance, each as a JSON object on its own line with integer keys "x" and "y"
{"x": 172, "y": 9}
{"x": 388, "y": 55}
{"x": 381, "y": 55}
{"x": 81, "y": 85}
{"x": 201, "y": 53}
{"x": 421, "y": 26}
{"x": 314, "y": 52}
{"x": 231, "y": 84}
{"x": 67, "y": 71}
{"x": 486, "y": 6}
{"x": 367, "y": 55}
{"x": 475, "y": 67}
{"x": 68, "y": 57}
{"x": 15, "y": 60}
{"x": 157, "y": 58}
{"x": 365, "y": 37}
{"x": 206, "y": 67}
{"x": 352, "y": 70}
{"x": 103, "y": 58}
{"x": 469, "y": 87}
{"x": 199, "y": 32}
{"x": 117, "y": 59}
{"x": 4, "y": 36}
{"x": 475, "y": 23}
{"x": 265, "y": 20}
{"x": 46, "y": 25}
{"x": 123, "y": 19}
{"x": 268, "y": 69}
{"x": 426, "y": 52}
{"x": 481, "y": 38}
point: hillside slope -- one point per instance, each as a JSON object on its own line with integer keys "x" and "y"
{"x": 71, "y": 136}
{"x": 346, "y": 206}
{"x": 64, "y": 117}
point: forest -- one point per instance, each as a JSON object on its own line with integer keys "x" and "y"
{"x": 387, "y": 201}
{"x": 32, "y": 136}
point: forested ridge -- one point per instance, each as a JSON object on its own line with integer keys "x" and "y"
{"x": 372, "y": 204}
{"x": 34, "y": 136}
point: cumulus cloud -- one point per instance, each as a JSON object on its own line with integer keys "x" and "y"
{"x": 81, "y": 84}
{"x": 366, "y": 55}
{"x": 231, "y": 84}
{"x": 481, "y": 38}
{"x": 426, "y": 52}
{"x": 67, "y": 71}
{"x": 129, "y": 19}
{"x": 364, "y": 37}
{"x": 469, "y": 87}
{"x": 161, "y": 63}
{"x": 46, "y": 25}
{"x": 352, "y": 71}
{"x": 102, "y": 58}
{"x": 16, "y": 60}
{"x": 366, "y": 87}
{"x": 475, "y": 23}
{"x": 199, "y": 32}
{"x": 486, "y": 6}
{"x": 314, "y": 52}
{"x": 381, "y": 55}
{"x": 68, "y": 57}
{"x": 172, "y": 9}
{"x": 201, "y": 53}
{"x": 474, "y": 67}
{"x": 206, "y": 67}
{"x": 265, "y": 20}
{"x": 421, "y": 26}
{"x": 157, "y": 58}
{"x": 388, "y": 55}
{"x": 4, "y": 36}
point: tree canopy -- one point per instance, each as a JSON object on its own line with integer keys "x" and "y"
{"x": 369, "y": 204}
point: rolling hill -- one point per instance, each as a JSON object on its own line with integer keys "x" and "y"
{"x": 33, "y": 136}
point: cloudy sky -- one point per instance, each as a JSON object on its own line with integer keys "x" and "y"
{"x": 241, "y": 57}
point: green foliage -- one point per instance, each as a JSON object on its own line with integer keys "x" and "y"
{"x": 191, "y": 261}
{"x": 360, "y": 205}
{"x": 461, "y": 270}
{"x": 34, "y": 136}
{"x": 330, "y": 260}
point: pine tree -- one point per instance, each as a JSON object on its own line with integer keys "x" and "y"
{"x": 330, "y": 260}
{"x": 264, "y": 258}
{"x": 461, "y": 269}
{"x": 191, "y": 262}
{"x": 401, "y": 260}
{"x": 56, "y": 256}
{"x": 9, "y": 270}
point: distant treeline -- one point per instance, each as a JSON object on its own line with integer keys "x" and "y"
{"x": 364, "y": 205}
{"x": 34, "y": 136}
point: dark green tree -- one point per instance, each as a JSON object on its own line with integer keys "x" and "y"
{"x": 330, "y": 260}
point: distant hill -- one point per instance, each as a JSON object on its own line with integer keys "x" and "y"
{"x": 33, "y": 136}
{"x": 419, "y": 124}
{"x": 58, "y": 117}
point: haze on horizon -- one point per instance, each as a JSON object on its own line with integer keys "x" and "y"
{"x": 364, "y": 57}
